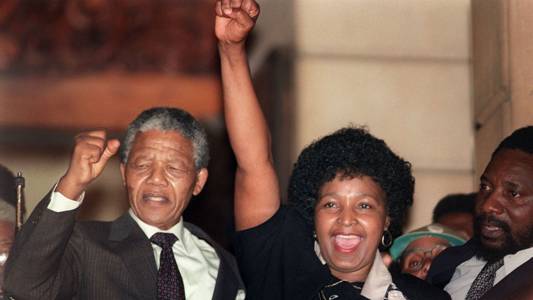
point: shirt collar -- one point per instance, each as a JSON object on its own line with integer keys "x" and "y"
{"x": 378, "y": 280}
{"x": 513, "y": 261}
{"x": 510, "y": 262}
{"x": 150, "y": 230}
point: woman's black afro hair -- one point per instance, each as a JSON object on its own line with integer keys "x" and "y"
{"x": 352, "y": 152}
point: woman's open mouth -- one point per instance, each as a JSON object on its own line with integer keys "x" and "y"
{"x": 346, "y": 242}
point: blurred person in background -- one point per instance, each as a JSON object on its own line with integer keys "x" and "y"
{"x": 7, "y": 186}
{"x": 7, "y": 218}
{"x": 415, "y": 250}
{"x": 7, "y": 235}
{"x": 457, "y": 211}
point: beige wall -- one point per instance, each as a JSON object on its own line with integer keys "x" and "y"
{"x": 403, "y": 69}
{"x": 42, "y": 170}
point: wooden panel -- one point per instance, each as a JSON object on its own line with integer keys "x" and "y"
{"x": 108, "y": 99}
{"x": 72, "y": 36}
{"x": 78, "y": 64}
{"x": 491, "y": 77}
{"x": 503, "y": 71}
{"x": 489, "y": 56}
{"x": 489, "y": 136}
{"x": 521, "y": 62}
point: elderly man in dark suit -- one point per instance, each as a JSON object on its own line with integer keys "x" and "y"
{"x": 149, "y": 252}
{"x": 498, "y": 262}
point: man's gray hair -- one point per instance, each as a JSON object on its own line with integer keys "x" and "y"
{"x": 169, "y": 119}
{"x": 7, "y": 211}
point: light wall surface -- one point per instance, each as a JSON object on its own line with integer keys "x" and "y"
{"x": 401, "y": 68}
{"x": 43, "y": 171}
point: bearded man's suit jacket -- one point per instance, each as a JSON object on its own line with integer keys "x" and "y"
{"x": 510, "y": 287}
{"x": 55, "y": 257}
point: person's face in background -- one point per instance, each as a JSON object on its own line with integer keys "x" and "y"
{"x": 7, "y": 234}
{"x": 461, "y": 222}
{"x": 350, "y": 217}
{"x": 504, "y": 207}
{"x": 419, "y": 254}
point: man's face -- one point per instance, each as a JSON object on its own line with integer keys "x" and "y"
{"x": 504, "y": 208}
{"x": 160, "y": 177}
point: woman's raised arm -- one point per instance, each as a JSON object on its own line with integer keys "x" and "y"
{"x": 256, "y": 184}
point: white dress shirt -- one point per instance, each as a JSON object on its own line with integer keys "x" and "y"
{"x": 197, "y": 261}
{"x": 466, "y": 272}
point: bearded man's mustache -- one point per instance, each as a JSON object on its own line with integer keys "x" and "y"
{"x": 486, "y": 219}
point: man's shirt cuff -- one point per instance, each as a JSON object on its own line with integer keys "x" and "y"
{"x": 60, "y": 203}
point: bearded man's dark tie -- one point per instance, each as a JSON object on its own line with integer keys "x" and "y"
{"x": 484, "y": 280}
{"x": 169, "y": 281}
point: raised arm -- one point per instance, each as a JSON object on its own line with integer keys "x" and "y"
{"x": 44, "y": 262}
{"x": 256, "y": 185}
{"x": 89, "y": 157}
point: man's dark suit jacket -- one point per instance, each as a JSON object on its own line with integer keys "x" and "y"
{"x": 510, "y": 287}
{"x": 55, "y": 257}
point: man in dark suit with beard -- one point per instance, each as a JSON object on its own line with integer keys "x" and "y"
{"x": 497, "y": 263}
{"x": 149, "y": 252}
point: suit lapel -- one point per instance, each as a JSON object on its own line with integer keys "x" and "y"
{"x": 444, "y": 265}
{"x": 136, "y": 251}
{"x": 505, "y": 289}
{"x": 512, "y": 284}
{"x": 228, "y": 280}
